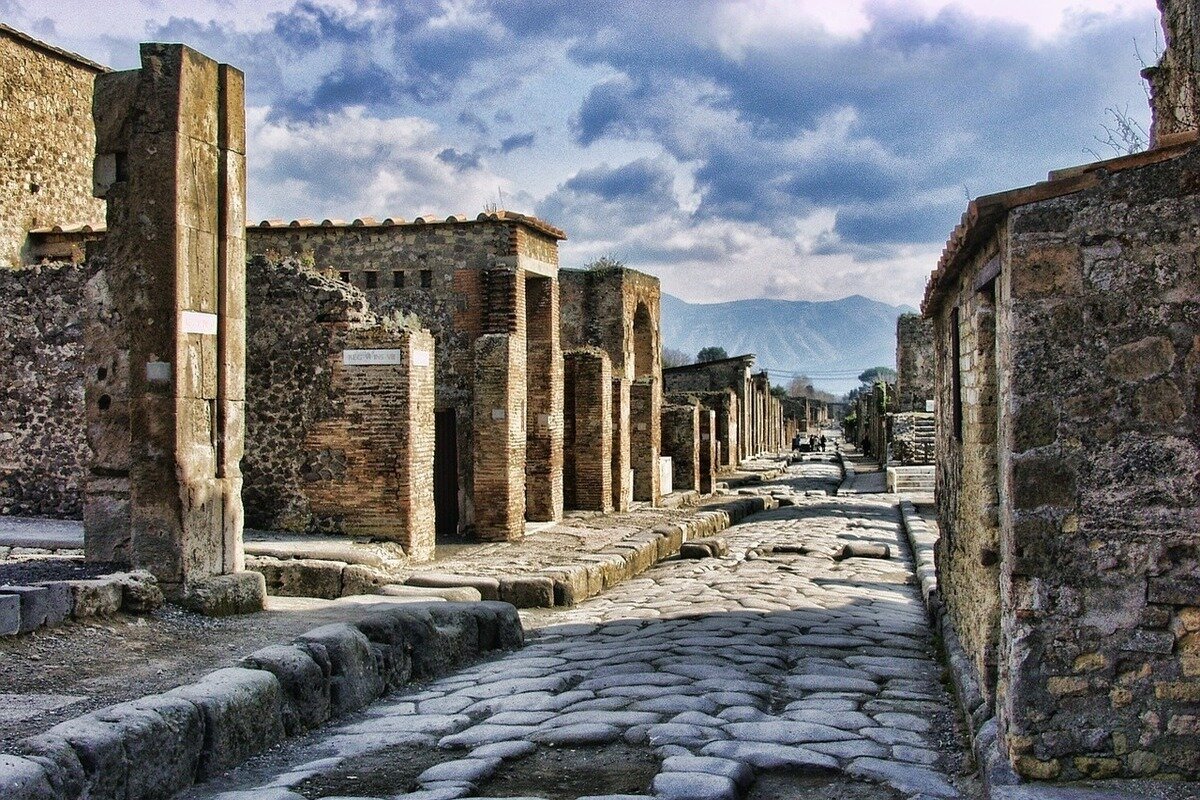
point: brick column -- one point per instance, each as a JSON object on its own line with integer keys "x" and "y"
{"x": 498, "y": 424}
{"x": 544, "y": 416}
{"x": 681, "y": 441}
{"x": 587, "y": 450}
{"x": 170, "y": 161}
{"x": 645, "y": 403}
{"x": 622, "y": 481}
{"x": 708, "y": 450}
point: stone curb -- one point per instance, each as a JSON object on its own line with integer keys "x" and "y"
{"x": 847, "y": 484}
{"x": 159, "y": 745}
{"x": 593, "y": 573}
{"x": 46, "y": 604}
{"x": 994, "y": 769}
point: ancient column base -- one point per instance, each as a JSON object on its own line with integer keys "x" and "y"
{"x": 222, "y": 595}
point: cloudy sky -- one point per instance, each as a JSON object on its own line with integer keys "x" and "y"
{"x": 797, "y": 149}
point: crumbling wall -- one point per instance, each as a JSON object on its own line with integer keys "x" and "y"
{"x": 1175, "y": 80}
{"x": 681, "y": 442}
{"x": 914, "y": 438}
{"x": 43, "y": 451}
{"x": 334, "y": 446}
{"x": 914, "y": 362}
{"x": 47, "y": 140}
{"x": 1100, "y": 666}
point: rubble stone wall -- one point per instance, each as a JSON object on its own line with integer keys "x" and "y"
{"x": 332, "y": 447}
{"x": 1101, "y": 448}
{"x": 914, "y": 362}
{"x": 47, "y": 141}
{"x": 968, "y": 502}
{"x": 914, "y": 439}
{"x": 1175, "y": 80}
{"x": 43, "y": 451}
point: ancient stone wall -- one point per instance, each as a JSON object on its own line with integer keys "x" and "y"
{"x": 47, "y": 140}
{"x": 914, "y": 362}
{"x": 914, "y": 438}
{"x": 335, "y": 443}
{"x": 1100, "y": 664}
{"x": 731, "y": 373}
{"x": 457, "y": 278}
{"x": 587, "y": 440}
{"x": 43, "y": 452}
{"x": 681, "y": 442}
{"x": 968, "y": 502}
{"x": 645, "y": 438}
{"x": 1175, "y": 80}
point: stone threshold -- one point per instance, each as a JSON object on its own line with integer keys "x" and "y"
{"x": 161, "y": 744}
{"x": 48, "y": 604}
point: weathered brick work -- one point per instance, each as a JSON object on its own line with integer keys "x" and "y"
{"x": 1069, "y": 444}
{"x": 43, "y": 453}
{"x": 731, "y": 375}
{"x": 493, "y": 276}
{"x": 723, "y": 405}
{"x": 617, "y": 311}
{"x": 588, "y": 434}
{"x": 681, "y": 442}
{"x": 47, "y": 140}
{"x": 334, "y": 446}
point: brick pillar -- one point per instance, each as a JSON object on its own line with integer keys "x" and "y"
{"x": 498, "y": 425}
{"x": 170, "y": 161}
{"x": 544, "y": 416}
{"x": 587, "y": 449}
{"x": 708, "y": 450}
{"x": 645, "y": 404}
{"x": 681, "y": 441}
{"x": 622, "y": 481}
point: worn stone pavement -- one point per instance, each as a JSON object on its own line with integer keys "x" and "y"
{"x": 785, "y": 669}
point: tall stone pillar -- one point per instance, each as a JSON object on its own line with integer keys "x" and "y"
{"x": 544, "y": 415}
{"x": 681, "y": 441}
{"x": 499, "y": 437}
{"x": 709, "y": 450}
{"x": 645, "y": 406}
{"x": 170, "y": 161}
{"x": 622, "y": 479}
{"x": 587, "y": 450}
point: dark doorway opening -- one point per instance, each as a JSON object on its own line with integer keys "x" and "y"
{"x": 445, "y": 473}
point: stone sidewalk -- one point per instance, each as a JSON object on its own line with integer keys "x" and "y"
{"x": 782, "y": 670}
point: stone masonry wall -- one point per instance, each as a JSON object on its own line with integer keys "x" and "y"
{"x": 43, "y": 452}
{"x": 968, "y": 550}
{"x": 1174, "y": 83}
{"x": 1101, "y": 588}
{"x": 47, "y": 141}
{"x": 914, "y": 362}
{"x": 914, "y": 438}
{"x": 587, "y": 445}
{"x": 333, "y": 448}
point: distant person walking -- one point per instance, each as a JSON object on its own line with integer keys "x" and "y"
{"x": 823, "y": 440}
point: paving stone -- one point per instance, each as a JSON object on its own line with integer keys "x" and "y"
{"x": 577, "y": 734}
{"x": 736, "y": 771}
{"x": 764, "y": 755}
{"x": 903, "y": 777}
{"x": 466, "y": 770}
{"x": 692, "y": 785}
{"x": 787, "y": 732}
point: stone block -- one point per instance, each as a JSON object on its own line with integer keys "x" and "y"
{"x": 489, "y": 588}
{"x": 95, "y": 598}
{"x": 361, "y": 579}
{"x": 35, "y": 605}
{"x": 22, "y": 779}
{"x": 509, "y": 633}
{"x": 532, "y": 591}
{"x": 139, "y": 592}
{"x": 225, "y": 595}
{"x": 392, "y": 648}
{"x": 97, "y": 748}
{"x": 162, "y": 737}
{"x": 59, "y": 760}
{"x": 570, "y": 584}
{"x": 10, "y": 614}
{"x": 355, "y": 675}
{"x": 243, "y": 715}
{"x": 305, "y": 685}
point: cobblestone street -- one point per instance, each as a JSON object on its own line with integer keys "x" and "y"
{"x": 780, "y": 670}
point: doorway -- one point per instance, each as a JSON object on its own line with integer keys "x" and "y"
{"x": 445, "y": 473}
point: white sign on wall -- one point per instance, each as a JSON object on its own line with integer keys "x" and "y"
{"x": 420, "y": 358}
{"x": 373, "y": 358}
{"x": 201, "y": 322}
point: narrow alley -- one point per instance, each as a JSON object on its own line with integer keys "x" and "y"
{"x": 798, "y": 665}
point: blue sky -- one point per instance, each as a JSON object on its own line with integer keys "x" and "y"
{"x": 795, "y": 149}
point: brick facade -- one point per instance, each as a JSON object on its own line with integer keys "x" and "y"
{"x": 588, "y": 437}
{"x": 681, "y": 443}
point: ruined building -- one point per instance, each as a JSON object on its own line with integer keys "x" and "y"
{"x": 615, "y": 313}
{"x": 911, "y": 427}
{"x": 1068, "y": 352}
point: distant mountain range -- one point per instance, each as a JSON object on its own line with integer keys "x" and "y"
{"x": 831, "y": 341}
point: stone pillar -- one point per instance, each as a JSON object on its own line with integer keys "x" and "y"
{"x": 1175, "y": 79}
{"x": 681, "y": 442}
{"x": 645, "y": 404}
{"x": 587, "y": 449}
{"x": 622, "y": 480}
{"x": 708, "y": 450}
{"x": 170, "y": 161}
{"x": 499, "y": 437}
{"x": 544, "y": 416}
